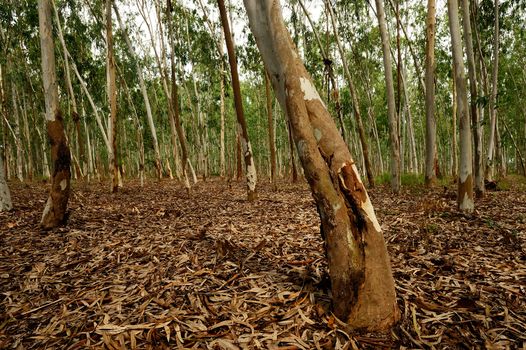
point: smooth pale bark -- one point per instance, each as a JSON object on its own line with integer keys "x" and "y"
{"x": 56, "y": 206}
{"x": 250, "y": 167}
{"x": 17, "y": 138}
{"x": 490, "y": 166}
{"x": 5, "y": 195}
{"x": 271, "y": 139}
{"x": 185, "y": 161}
{"x": 454, "y": 143}
{"x": 431, "y": 154}
{"x": 355, "y": 101}
{"x": 475, "y": 120}
{"x": 465, "y": 181}
{"x": 144, "y": 92}
{"x": 112, "y": 99}
{"x": 394, "y": 140}
{"x": 362, "y": 283}
{"x": 27, "y": 136}
{"x": 410, "y": 129}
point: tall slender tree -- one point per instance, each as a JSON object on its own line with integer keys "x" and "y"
{"x": 112, "y": 98}
{"x": 490, "y": 166}
{"x": 465, "y": 181}
{"x": 431, "y": 153}
{"x": 475, "y": 119}
{"x": 394, "y": 139}
{"x": 56, "y": 205}
{"x": 250, "y": 167}
{"x": 362, "y": 283}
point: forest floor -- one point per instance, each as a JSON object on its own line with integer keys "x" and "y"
{"x": 151, "y": 268}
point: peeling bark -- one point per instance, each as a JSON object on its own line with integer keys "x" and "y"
{"x": 55, "y": 209}
{"x": 362, "y": 283}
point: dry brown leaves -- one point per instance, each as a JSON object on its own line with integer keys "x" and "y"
{"x": 150, "y": 268}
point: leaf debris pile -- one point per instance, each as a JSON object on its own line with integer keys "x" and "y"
{"x": 151, "y": 268}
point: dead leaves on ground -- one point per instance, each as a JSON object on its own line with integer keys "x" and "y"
{"x": 150, "y": 268}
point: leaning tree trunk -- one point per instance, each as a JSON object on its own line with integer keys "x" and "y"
{"x": 242, "y": 125}
{"x": 394, "y": 140}
{"x": 475, "y": 119}
{"x": 112, "y": 98}
{"x": 465, "y": 172}
{"x": 55, "y": 209}
{"x": 430, "y": 174}
{"x": 362, "y": 283}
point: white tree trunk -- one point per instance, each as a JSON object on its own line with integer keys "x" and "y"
{"x": 465, "y": 183}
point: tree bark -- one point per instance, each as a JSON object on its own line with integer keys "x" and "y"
{"x": 475, "y": 120}
{"x": 271, "y": 140}
{"x": 5, "y": 195}
{"x": 112, "y": 99}
{"x": 75, "y": 113}
{"x": 465, "y": 181}
{"x": 362, "y": 284}
{"x": 490, "y": 166}
{"x": 394, "y": 139}
{"x": 431, "y": 154}
{"x": 242, "y": 125}
{"x": 56, "y": 206}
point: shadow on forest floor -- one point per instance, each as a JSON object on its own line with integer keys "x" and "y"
{"x": 151, "y": 268}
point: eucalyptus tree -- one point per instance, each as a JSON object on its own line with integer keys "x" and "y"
{"x": 490, "y": 166}
{"x": 5, "y": 195}
{"x": 242, "y": 125}
{"x": 394, "y": 140}
{"x": 56, "y": 205}
{"x": 475, "y": 119}
{"x": 144, "y": 91}
{"x": 112, "y": 99}
{"x": 362, "y": 283}
{"x": 465, "y": 181}
{"x": 431, "y": 149}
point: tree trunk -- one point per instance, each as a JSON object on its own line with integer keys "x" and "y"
{"x": 75, "y": 113}
{"x": 271, "y": 140}
{"x": 18, "y": 140}
{"x": 112, "y": 98}
{"x": 394, "y": 140}
{"x": 430, "y": 175}
{"x": 362, "y": 284}
{"x": 55, "y": 209}
{"x": 144, "y": 94}
{"x": 5, "y": 195}
{"x": 454, "y": 147}
{"x": 355, "y": 102}
{"x": 475, "y": 120}
{"x": 465, "y": 181}
{"x": 242, "y": 125}
{"x": 185, "y": 161}
{"x": 293, "y": 169}
{"x": 490, "y": 166}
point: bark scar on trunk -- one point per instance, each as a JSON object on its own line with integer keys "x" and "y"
{"x": 354, "y": 194}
